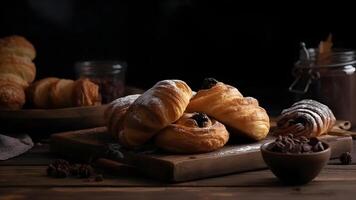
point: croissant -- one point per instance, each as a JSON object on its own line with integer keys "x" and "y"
{"x": 242, "y": 115}
{"x": 12, "y": 96}
{"x": 17, "y": 70}
{"x": 17, "y": 45}
{"x": 115, "y": 114}
{"x": 193, "y": 133}
{"x": 305, "y": 118}
{"x": 154, "y": 110}
{"x": 60, "y": 93}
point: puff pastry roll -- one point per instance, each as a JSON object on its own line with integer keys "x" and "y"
{"x": 225, "y": 103}
{"x": 154, "y": 110}
{"x": 305, "y": 118}
{"x": 193, "y": 133}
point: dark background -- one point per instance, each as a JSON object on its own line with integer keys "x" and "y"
{"x": 249, "y": 46}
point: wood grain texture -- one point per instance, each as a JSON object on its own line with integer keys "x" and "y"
{"x": 35, "y": 176}
{"x": 315, "y": 191}
{"x": 90, "y": 143}
{"x": 30, "y": 182}
{"x": 48, "y": 121}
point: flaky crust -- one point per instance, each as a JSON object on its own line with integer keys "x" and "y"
{"x": 12, "y": 96}
{"x": 60, "y": 93}
{"x": 115, "y": 114}
{"x": 17, "y": 45}
{"x": 155, "y": 109}
{"x": 85, "y": 93}
{"x": 53, "y": 92}
{"x": 19, "y": 66}
{"x": 38, "y": 93}
{"x": 227, "y": 105}
{"x": 185, "y": 136}
{"x": 305, "y": 118}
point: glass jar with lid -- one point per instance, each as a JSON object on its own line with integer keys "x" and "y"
{"x": 108, "y": 75}
{"x": 330, "y": 80}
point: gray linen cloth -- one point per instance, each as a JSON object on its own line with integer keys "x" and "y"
{"x": 14, "y": 145}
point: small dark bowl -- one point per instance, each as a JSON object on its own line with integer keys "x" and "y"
{"x": 295, "y": 169}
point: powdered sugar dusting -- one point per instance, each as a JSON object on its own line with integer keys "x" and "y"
{"x": 125, "y": 100}
{"x": 149, "y": 98}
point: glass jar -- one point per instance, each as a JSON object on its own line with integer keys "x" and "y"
{"x": 330, "y": 80}
{"x": 109, "y": 75}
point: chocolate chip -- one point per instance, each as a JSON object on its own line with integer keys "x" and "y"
{"x": 306, "y": 148}
{"x": 201, "y": 119}
{"x": 313, "y": 141}
{"x": 346, "y": 158}
{"x": 209, "y": 83}
{"x": 292, "y": 144}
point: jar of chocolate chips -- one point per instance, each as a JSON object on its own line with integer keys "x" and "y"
{"x": 109, "y": 75}
{"x": 328, "y": 75}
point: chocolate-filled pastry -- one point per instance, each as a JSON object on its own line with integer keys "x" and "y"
{"x": 115, "y": 114}
{"x": 305, "y": 118}
{"x": 226, "y": 104}
{"x": 193, "y": 133}
{"x": 154, "y": 110}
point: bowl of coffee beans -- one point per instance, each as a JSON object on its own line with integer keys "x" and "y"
{"x": 296, "y": 160}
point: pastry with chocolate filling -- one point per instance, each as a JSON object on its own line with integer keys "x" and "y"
{"x": 307, "y": 118}
{"x": 193, "y": 133}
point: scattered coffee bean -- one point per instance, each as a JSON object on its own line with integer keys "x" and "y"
{"x": 346, "y": 158}
{"x": 292, "y": 144}
{"x": 99, "y": 178}
{"x": 61, "y": 169}
{"x": 85, "y": 171}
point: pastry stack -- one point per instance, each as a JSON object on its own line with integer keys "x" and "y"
{"x": 179, "y": 122}
{"x": 17, "y": 71}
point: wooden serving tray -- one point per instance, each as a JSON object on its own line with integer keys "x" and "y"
{"x": 92, "y": 144}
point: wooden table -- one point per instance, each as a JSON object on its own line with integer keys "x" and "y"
{"x": 25, "y": 177}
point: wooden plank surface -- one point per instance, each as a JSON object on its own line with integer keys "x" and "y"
{"x": 89, "y": 143}
{"x": 317, "y": 191}
{"x": 24, "y": 177}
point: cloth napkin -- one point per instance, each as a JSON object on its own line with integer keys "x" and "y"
{"x": 14, "y": 145}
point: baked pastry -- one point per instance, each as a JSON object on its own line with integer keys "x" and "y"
{"x": 305, "y": 118}
{"x": 193, "y": 133}
{"x": 17, "y": 45}
{"x": 38, "y": 92}
{"x": 115, "y": 114}
{"x": 12, "y": 96}
{"x": 60, "y": 93}
{"x": 154, "y": 110}
{"x": 225, "y": 103}
{"x": 17, "y": 70}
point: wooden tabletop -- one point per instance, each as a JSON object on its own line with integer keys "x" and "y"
{"x": 25, "y": 177}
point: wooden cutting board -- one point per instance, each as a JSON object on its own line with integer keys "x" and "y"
{"x": 93, "y": 143}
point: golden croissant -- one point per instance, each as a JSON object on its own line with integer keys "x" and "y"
{"x": 115, "y": 114}
{"x": 154, "y": 110}
{"x": 225, "y": 103}
{"x": 17, "y": 70}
